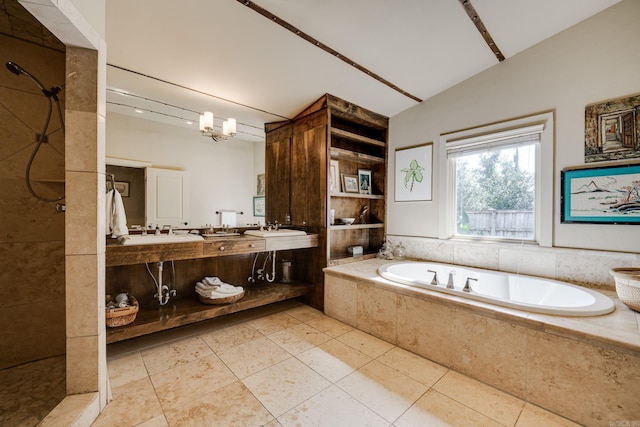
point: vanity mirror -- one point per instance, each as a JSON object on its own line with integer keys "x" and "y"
{"x": 220, "y": 176}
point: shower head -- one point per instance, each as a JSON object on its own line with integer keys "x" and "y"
{"x": 14, "y": 68}
{"x": 17, "y": 70}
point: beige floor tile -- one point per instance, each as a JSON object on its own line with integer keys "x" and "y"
{"x": 533, "y": 416}
{"x": 418, "y": 368}
{"x": 273, "y": 423}
{"x": 332, "y": 327}
{"x": 159, "y": 421}
{"x": 365, "y": 343}
{"x": 253, "y": 356}
{"x": 334, "y": 360}
{"x": 384, "y": 390}
{"x": 435, "y": 410}
{"x": 304, "y": 313}
{"x": 126, "y": 368}
{"x": 186, "y": 382}
{"x": 485, "y": 399}
{"x": 331, "y": 407}
{"x": 172, "y": 354}
{"x": 299, "y": 338}
{"x": 132, "y": 404}
{"x": 274, "y": 323}
{"x": 282, "y": 387}
{"x": 224, "y": 339}
{"x": 232, "y": 405}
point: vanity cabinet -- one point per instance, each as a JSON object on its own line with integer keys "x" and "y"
{"x": 354, "y": 138}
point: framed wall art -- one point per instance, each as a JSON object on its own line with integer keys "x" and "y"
{"x": 350, "y": 183}
{"x": 334, "y": 173}
{"x": 601, "y": 195}
{"x": 258, "y": 206}
{"x": 122, "y": 187}
{"x": 413, "y": 170}
{"x": 364, "y": 181}
{"x": 612, "y": 130}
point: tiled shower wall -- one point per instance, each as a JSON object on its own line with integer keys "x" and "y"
{"x": 32, "y": 244}
{"x": 582, "y": 267}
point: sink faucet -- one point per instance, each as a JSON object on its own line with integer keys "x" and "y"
{"x": 467, "y": 286}
{"x": 434, "y": 281}
{"x": 450, "y": 281}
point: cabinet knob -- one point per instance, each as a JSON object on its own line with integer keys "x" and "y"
{"x": 252, "y": 245}
{"x": 222, "y": 248}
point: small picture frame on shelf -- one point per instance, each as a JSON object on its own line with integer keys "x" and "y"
{"x": 364, "y": 181}
{"x": 334, "y": 173}
{"x": 350, "y": 183}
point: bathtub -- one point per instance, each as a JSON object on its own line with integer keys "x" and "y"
{"x": 532, "y": 294}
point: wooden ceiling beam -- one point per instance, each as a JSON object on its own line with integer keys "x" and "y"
{"x": 284, "y": 24}
{"x": 475, "y": 18}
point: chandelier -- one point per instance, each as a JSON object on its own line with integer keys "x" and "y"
{"x": 206, "y": 127}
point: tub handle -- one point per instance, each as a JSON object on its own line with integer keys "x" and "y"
{"x": 434, "y": 281}
{"x": 467, "y": 286}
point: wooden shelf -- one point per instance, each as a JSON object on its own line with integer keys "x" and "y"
{"x": 358, "y": 196}
{"x": 191, "y": 310}
{"x": 356, "y": 226}
{"x": 365, "y": 159}
{"x": 356, "y": 138}
{"x": 346, "y": 259}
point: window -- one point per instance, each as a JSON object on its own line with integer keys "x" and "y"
{"x": 495, "y": 182}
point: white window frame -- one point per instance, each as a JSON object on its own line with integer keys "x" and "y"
{"x": 544, "y": 171}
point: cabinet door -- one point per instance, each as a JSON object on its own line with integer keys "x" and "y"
{"x": 278, "y": 174}
{"x": 309, "y": 179}
{"x": 167, "y": 197}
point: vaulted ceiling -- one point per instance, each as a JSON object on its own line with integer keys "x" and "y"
{"x": 264, "y": 60}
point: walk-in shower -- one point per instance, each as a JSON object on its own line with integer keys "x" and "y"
{"x": 52, "y": 96}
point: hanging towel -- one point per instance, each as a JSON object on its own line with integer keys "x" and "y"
{"x": 228, "y": 218}
{"x": 116, "y": 218}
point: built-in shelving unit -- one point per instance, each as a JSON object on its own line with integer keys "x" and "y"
{"x": 328, "y": 130}
{"x": 358, "y": 140}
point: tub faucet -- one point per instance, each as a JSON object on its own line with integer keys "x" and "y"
{"x": 467, "y": 286}
{"x": 450, "y": 281}
{"x": 434, "y": 281}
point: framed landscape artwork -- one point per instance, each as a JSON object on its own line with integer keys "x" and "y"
{"x": 601, "y": 195}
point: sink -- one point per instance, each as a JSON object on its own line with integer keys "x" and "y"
{"x": 275, "y": 233}
{"x": 152, "y": 239}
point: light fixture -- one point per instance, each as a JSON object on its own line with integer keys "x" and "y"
{"x": 206, "y": 127}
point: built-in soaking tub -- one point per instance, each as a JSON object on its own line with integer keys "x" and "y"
{"x": 532, "y": 294}
{"x": 585, "y": 368}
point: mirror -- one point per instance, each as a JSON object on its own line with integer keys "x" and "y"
{"x": 222, "y": 175}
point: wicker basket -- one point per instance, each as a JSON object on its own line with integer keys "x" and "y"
{"x": 225, "y": 300}
{"x": 122, "y": 316}
{"x": 628, "y": 285}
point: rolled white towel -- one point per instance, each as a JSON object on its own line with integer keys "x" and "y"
{"x": 212, "y": 281}
{"x": 214, "y": 294}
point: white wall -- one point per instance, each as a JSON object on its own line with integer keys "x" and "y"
{"x": 596, "y": 60}
{"x": 222, "y": 175}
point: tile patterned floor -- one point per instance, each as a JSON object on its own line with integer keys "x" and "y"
{"x": 29, "y": 392}
{"x": 290, "y": 365}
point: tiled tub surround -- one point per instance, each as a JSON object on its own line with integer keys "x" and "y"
{"x": 586, "y": 369}
{"x": 580, "y": 267}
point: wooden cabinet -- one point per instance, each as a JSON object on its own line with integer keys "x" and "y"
{"x": 278, "y": 172}
{"x": 329, "y": 129}
{"x": 309, "y": 171}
